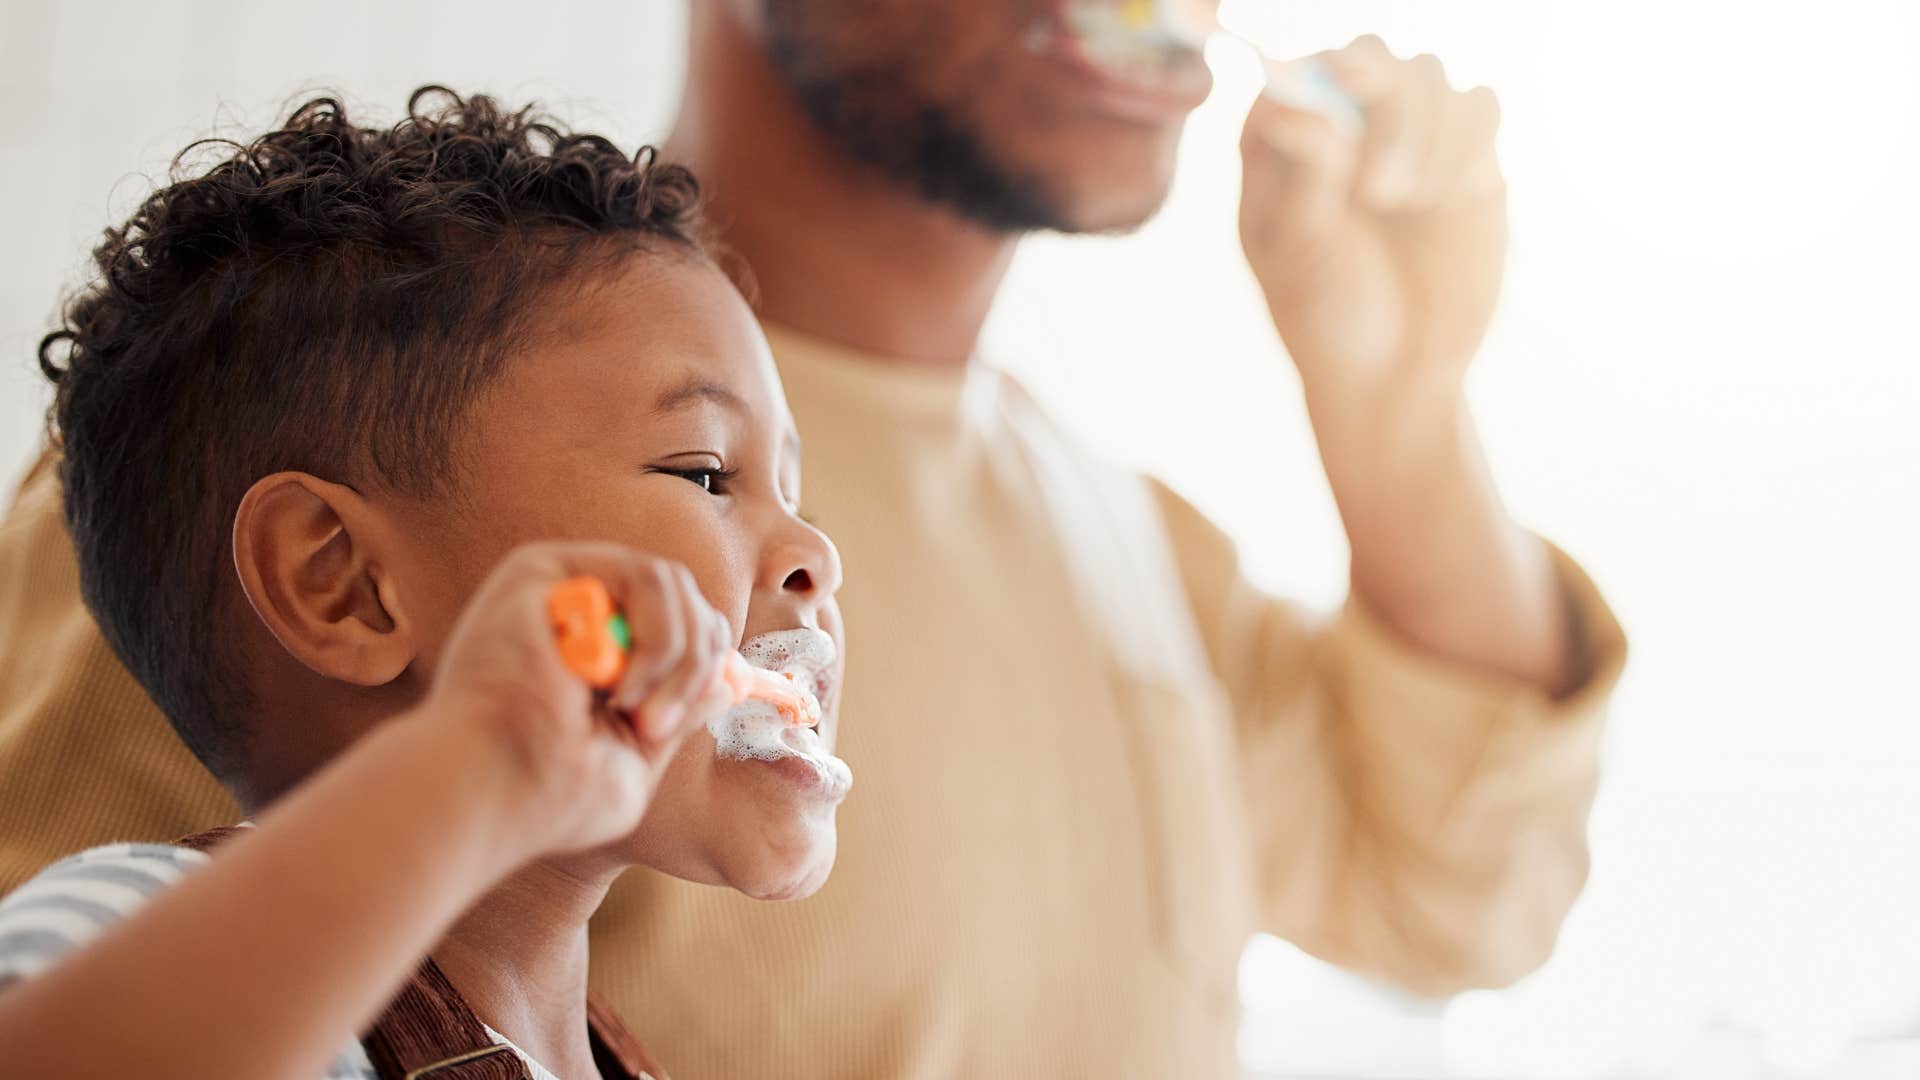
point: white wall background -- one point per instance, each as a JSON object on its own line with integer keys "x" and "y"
{"x": 98, "y": 95}
{"x": 1703, "y": 382}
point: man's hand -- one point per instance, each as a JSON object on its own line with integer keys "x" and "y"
{"x": 1381, "y": 259}
{"x": 1380, "y": 255}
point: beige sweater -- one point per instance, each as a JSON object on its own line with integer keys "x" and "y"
{"x": 1089, "y": 762}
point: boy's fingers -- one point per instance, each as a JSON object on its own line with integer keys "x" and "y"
{"x": 717, "y": 698}
{"x": 650, "y": 598}
{"x": 718, "y": 694}
{"x": 679, "y": 685}
{"x": 705, "y": 693}
{"x": 678, "y": 639}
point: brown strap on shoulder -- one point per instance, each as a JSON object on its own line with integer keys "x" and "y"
{"x": 616, "y": 1052}
{"x": 205, "y": 841}
{"x": 429, "y": 1033}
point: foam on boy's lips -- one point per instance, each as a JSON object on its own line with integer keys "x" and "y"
{"x": 779, "y": 716}
{"x": 791, "y": 693}
{"x": 776, "y": 682}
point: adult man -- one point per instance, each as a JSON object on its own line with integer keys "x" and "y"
{"x": 1091, "y": 758}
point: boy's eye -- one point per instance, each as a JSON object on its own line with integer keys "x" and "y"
{"x": 711, "y": 481}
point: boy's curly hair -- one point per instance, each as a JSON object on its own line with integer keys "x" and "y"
{"x": 326, "y": 298}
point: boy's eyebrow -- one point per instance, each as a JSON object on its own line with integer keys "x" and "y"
{"x": 696, "y": 390}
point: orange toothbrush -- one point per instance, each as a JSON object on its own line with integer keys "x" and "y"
{"x": 594, "y": 640}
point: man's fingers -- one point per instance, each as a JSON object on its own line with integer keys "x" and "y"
{"x": 1406, "y": 104}
{"x": 1297, "y": 173}
{"x": 1363, "y": 66}
{"x": 1302, "y": 136}
{"x": 1471, "y": 167}
{"x": 1400, "y": 135}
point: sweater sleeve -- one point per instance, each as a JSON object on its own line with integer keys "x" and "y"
{"x": 1412, "y": 820}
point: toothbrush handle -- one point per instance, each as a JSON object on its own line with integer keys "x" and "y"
{"x": 590, "y": 641}
{"x": 593, "y": 639}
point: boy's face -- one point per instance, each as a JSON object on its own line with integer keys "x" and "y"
{"x": 646, "y": 409}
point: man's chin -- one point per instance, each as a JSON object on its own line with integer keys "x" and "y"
{"x": 1115, "y": 223}
{"x": 1095, "y": 205}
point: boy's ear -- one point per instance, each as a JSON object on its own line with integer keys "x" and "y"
{"x": 309, "y": 557}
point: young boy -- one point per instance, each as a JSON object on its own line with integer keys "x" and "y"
{"x": 337, "y": 416}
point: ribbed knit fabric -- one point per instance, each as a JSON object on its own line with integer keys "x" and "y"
{"x": 85, "y": 758}
{"x": 1089, "y": 761}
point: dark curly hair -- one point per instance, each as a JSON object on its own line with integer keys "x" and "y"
{"x": 326, "y": 298}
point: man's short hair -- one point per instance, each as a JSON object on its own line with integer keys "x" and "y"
{"x": 327, "y": 298}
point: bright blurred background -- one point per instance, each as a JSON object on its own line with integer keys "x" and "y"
{"x": 1702, "y": 382}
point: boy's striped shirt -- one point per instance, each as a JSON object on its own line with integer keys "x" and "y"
{"x": 69, "y": 903}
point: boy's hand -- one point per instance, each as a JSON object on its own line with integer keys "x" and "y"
{"x": 590, "y": 770}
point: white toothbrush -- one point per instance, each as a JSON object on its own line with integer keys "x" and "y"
{"x": 1144, "y": 31}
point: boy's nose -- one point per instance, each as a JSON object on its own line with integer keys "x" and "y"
{"x": 805, "y": 563}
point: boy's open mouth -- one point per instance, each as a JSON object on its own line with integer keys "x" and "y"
{"x": 804, "y": 654}
{"x": 755, "y": 730}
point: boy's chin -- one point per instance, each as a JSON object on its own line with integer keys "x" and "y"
{"x": 788, "y": 880}
{"x": 780, "y": 836}
{"x": 780, "y": 857}
{"x": 765, "y": 829}
{"x": 766, "y": 851}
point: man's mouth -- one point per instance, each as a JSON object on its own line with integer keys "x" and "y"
{"x": 1142, "y": 54}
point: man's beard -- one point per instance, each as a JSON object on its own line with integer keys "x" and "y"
{"x": 868, "y": 113}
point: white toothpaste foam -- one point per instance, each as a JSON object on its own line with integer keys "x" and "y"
{"x": 754, "y": 729}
